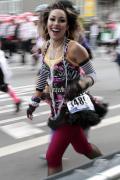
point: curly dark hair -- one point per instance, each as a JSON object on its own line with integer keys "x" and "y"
{"x": 70, "y": 5}
{"x": 72, "y": 19}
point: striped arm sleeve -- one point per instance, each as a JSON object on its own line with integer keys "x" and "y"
{"x": 89, "y": 70}
{"x": 42, "y": 79}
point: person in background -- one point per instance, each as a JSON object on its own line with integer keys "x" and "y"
{"x": 2, "y": 29}
{"x": 26, "y": 36}
{"x": 38, "y": 42}
{"x": 94, "y": 31}
{"x": 116, "y": 41}
{"x": 11, "y": 39}
{"x": 62, "y": 58}
{"x": 5, "y": 86}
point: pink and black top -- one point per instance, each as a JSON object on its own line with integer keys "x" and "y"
{"x": 57, "y": 78}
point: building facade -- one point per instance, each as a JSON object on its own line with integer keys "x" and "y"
{"x": 11, "y": 6}
{"x": 108, "y": 9}
{"x": 18, "y": 6}
{"x": 87, "y": 8}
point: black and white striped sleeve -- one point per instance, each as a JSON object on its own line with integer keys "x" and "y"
{"x": 89, "y": 69}
{"x": 42, "y": 78}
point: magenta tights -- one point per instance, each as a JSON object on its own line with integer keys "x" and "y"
{"x": 61, "y": 138}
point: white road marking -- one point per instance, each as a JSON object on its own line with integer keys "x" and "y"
{"x": 20, "y": 67}
{"x": 41, "y": 124}
{"x": 20, "y": 92}
{"x": 22, "y": 117}
{"x": 21, "y": 130}
{"x": 108, "y": 122}
{"x": 114, "y": 107}
{"x": 6, "y": 97}
{"x": 20, "y": 88}
{"x": 11, "y": 107}
{"x": 28, "y": 144}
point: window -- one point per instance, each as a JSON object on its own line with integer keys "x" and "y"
{"x": 11, "y": 7}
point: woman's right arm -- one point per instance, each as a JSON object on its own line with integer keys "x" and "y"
{"x": 41, "y": 83}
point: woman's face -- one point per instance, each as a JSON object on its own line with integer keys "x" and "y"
{"x": 57, "y": 24}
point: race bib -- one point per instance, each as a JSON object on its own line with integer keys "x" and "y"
{"x": 80, "y": 103}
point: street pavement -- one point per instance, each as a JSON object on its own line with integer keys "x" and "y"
{"x": 22, "y": 141}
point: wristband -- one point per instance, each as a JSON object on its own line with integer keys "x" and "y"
{"x": 35, "y": 101}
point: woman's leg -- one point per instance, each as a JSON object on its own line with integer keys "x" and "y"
{"x": 94, "y": 153}
{"x": 81, "y": 145}
{"x": 54, "y": 170}
{"x": 15, "y": 98}
{"x": 59, "y": 142}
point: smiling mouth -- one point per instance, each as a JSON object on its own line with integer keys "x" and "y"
{"x": 55, "y": 30}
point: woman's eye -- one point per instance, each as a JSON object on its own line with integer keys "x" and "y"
{"x": 52, "y": 19}
{"x": 62, "y": 20}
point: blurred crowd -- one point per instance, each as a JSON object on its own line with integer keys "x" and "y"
{"x": 18, "y": 34}
{"x": 103, "y": 33}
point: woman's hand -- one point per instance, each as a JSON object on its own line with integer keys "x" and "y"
{"x": 83, "y": 84}
{"x": 35, "y": 100}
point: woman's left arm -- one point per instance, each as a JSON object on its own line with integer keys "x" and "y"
{"x": 90, "y": 75}
{"x": 81, "y": 57}
{"x": 89, "y": 72}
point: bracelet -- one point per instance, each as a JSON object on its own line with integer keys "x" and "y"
{"x": 35, "y": 101}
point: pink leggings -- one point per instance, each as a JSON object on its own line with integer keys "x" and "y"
{"x": 61, "y": 138}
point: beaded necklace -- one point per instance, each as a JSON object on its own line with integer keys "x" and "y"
{"x": 50, "y": 80}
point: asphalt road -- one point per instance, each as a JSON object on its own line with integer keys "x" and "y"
{"x": 22, "y": 141}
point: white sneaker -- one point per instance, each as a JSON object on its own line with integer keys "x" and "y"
{"x": 42, "y": 156}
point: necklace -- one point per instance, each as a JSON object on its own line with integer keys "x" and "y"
{"x": 51, "y": 84}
